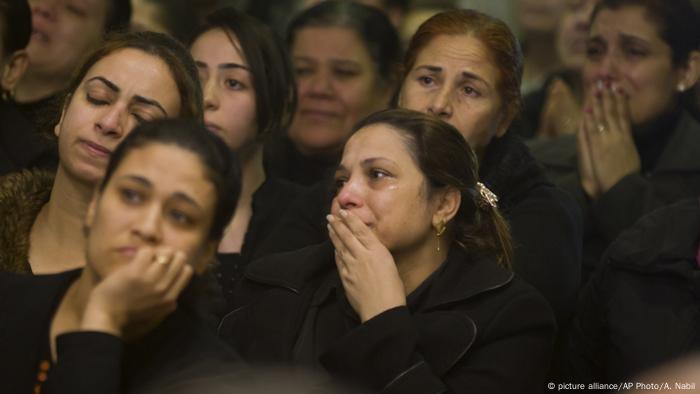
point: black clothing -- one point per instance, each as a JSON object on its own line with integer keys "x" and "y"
{"x": 40, "y": 112}
{"x": 673, "y": 175}
{"x": 545, "y": 222}
{"x": 282, "y": 160}
{"x": 21, "y": 146}
{"x": 270, "y": 202}
{"x": 95, "y": 362}
{"x": 474, "y": 328}
{"x": 641, "y": 309}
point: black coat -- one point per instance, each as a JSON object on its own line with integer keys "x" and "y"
{"x": 674, "y": 176}
{"x": 181, "y": 348}
{"x": 21, "y": 146}
{"x": 474, "y": 329}
{"x": 642, "y": 307}
{"x": 545, "y": 222}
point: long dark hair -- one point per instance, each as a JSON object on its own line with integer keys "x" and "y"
{"x": 446, "y": 160}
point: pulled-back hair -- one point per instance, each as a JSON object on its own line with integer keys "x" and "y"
{"x": 446, "y": 160}
{"x": 218, "y": 160}
{"x": 371, "y": 25}
{"x": 677, "y": 22}
{"x": 15, "y": 25}
{"x": 498, "y": 40}
{"x": 275, "y": 90}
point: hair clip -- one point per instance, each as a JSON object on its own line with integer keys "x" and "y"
{"x": 486, "y": 196}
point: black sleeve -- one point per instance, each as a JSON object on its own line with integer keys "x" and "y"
{"x": 88, "y": 362}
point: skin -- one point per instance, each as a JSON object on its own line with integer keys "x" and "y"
{"x": 337, "y": 84}
{"x": 538, "y": 15}
{"x": 63, "y": 32}
{"x": 573, "y": 32}
{"x": 87, "y": 132}
{"x": 629, "y": 80}
{"x": 98, "y": 116}
{"x": 382, "y": 222}
{"x": 454, "y": 79}
{"x": 227, "y": 83}
{"x": 148, "y": 232}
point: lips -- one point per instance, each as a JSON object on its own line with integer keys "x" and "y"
{"x": 128, "y": 251}
{"x": 213, "y": 127}
{"x": 319, "y": 113}
{"x": 96, "y": 150}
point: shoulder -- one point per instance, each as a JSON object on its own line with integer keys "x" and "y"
{"x": 22, "y": 195}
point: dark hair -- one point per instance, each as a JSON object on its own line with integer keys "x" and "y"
{"x": 275, "y": 90}
{"x": 162, "y": 46}
{"x": 371, "y": 25}
{"x": 219, "y": 161}
{"x": 677, "y": 22}
{"x": 446, "y": 160}
{"x": 178, "y": 17}
{"x": 118, "y": 16}
{"x": 494, "y": 34}
{"x": 15, "y": 25}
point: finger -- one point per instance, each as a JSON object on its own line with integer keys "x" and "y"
{"x": 174, "y": 269}
{"x": 623, "y": 111}
{"x": 599, "y": 121}
{"x": 337, "y": 243}
{"x": 361, "y": 231}
{"x": 351, "y": 245}
{"x": 609, "y": 107}
{"x": 181, "y": 281}
{"x": 161, "y": 259}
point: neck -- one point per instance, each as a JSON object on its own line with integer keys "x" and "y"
{"x": 415, "y": 266}
{"x": 33, "y": 87}
{"x": 252, "y": 169}
{"x": 65, "y": 212}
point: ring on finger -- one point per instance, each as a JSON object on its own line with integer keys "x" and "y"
{"x": 162, "y": 259}
{"x": 601, "y": 128}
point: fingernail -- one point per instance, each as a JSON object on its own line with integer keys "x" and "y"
{"x": 343, "y": 213}
{"x": 330, "y": 218}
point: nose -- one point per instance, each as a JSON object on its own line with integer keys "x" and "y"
{"x": 608, "y": 68}
{"x": 349, "y": 195}
{"x": 319, "y": 84}
{"x": 110, "y": 121}
{"x": 148, "y": 225}
{"x": 45, "y": 9}
{"x": 439, "y": 104}
{"x": 211, "y": 97}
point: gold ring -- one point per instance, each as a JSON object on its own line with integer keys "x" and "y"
{"x": 601, "y": 128}
{"x": 162, "y": 259}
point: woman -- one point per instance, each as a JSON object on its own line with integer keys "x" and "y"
{"x": 345, "y": 56}
{"x": 464, "y": 67}
{"x": 249, "y": 95}
{"x": 130, "y": 79}
{"x": 636, "y": 148}
{"x": 63, "y": 32}
{"x": 155, "y": 220}
{"x": 20, "y": 146}
{"x": 414, "y": 294}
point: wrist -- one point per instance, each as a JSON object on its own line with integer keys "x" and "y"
{"x": 97, "y": 318}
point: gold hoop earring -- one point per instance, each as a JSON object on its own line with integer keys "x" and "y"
{"x": 439, "y": 230}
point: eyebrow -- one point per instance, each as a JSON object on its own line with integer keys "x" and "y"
{"x": 364, "y": 163}
{"x": 465, "y": 74}
{"x": 137, "y": 98}
{"x": 224, "y": 66}
{"x": 178, "y": 195}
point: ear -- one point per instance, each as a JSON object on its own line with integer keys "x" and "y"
{"x": 448, "y": 203}
{"x": 505, "y": 121}
{"x": 57, "y": 128}
{"x": 689, "y": 73}
{"x": 205, "y": 257}
{"x": 13, "y": 70}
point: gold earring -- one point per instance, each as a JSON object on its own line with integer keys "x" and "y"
{"x": 681, "y": 87}
{"x": 439, "y": 230}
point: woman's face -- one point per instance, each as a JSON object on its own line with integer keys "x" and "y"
{"x": 338, "y": 85}
{"x": 158, "y": 196}
{"x": 379, "y": 181}
{"x": 625, "y": 50}
{"x": 227, "y": 83}
{"x": 120, "y": 91}
{"x": 454, "y": 79}
{"x": 63, "y": 31}
{"x": 573, "y": 32}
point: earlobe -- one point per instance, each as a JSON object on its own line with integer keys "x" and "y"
{"x": 690, "y": 73}
{"x": 13, "y": 70}
{"x": 57, "y": 128}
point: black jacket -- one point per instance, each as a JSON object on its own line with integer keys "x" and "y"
{"x": 21, "y": 146}
{"x": 674, "y": 176}
{"x": 545, "y": 222}
{"x": 475, "y": 328}
{"x": 181, "y": 348}
{"x": 283, "y": 160}
{"x": 642, "y": 307}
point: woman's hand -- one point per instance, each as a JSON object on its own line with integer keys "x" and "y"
{"x": 607, "y": 139}
{"x": 561, "y": 111}
{"x": 144, "y": 291}
{"x": 366, "y": 267}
